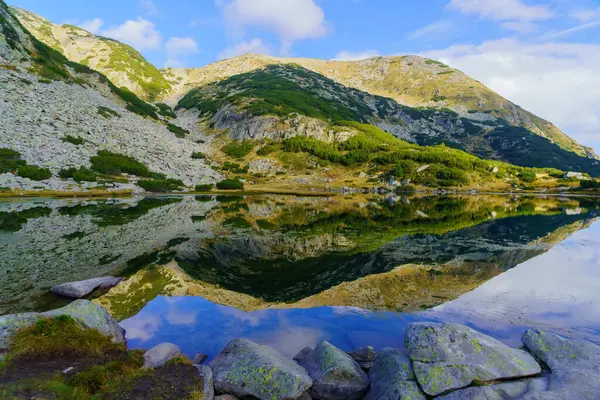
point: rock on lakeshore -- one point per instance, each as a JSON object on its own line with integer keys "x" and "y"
{"x": 365, "y": 356}
{"x": 77, "y": 290}
{"x": 392, "y": 378}
{"x": 246, "y": 369}
{"x": 336, "y": 376}
{"x": 208, "y": 391}
{"x": 88, "y": 314}
{"x": 452, "y": 356}
{"x": 531, "y": 389}
{"x": 574, "y": 365}
{"x": 160, "y": 354}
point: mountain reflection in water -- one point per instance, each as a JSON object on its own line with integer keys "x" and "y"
{"x": 247, "y": 266}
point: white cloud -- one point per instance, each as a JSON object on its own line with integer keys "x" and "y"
{"x": 432, "y": 30}
{"x": 181, "y": 45}
{"x": 255, "y": 45}
{"x": 354, "y": 56}
{"x": 520, "y": 26}
{"x": 141, "y": 34}
{"x": 586, "y": 15}
{"x": 570, "y": 31}
{"x": 502, "y": 10}
{"x": 149, "y": 7}
{"x": 291, "y": 20}
{"x": 92, "y": 26}
{"x": 557, "y": 81}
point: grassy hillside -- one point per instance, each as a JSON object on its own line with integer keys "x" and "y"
{"x": 122, "y": 64}
{"x": 285, "y": 91}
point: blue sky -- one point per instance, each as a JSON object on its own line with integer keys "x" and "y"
{"x": 543, "y": 55}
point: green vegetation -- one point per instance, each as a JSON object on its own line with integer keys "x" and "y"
{"x": 237, "y": 222}
{"x": 77, "y": 141}
{"x": 434, "y": 62}
{"x": 438, "y": 98}
{"x": 178, "y": 131}
{"x": 198, "y": 155}
{"x": 14, "y": 221}
{"x": 268, "y": 149}
{"x": 34, "y": 172}
{"x": 134, "y": 103}
{"x": 527, "y": 176}
{"x": 238, "y": 149}
{"x": 204, "y": 187}
{"x": 161, "y": 186}
{"x": 230, "y": 184}
{"x": 165, "y": 110}
{"x": 590, "y": 184}
{"x": 110, "y": 163}
{"x": 78, "y": 174}
{"x": 10, "y": 160}
{"x": 234, "y": 168}
{"x": 107, "y": 112}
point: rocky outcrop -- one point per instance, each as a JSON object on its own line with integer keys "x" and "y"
{"x": 245, "y": 369}
{"x": 335, "y": 375}
{"x": 160, "y": 354}
{"x": 574, "y": 364}
{"x": 452, "y": 356}
{"x": 392, "y": 378}
{"x": 79, "y": 289}
{"x": 88, "y": 314}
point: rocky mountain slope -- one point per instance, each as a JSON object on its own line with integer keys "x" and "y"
{"x": 122, "y": 64}
{"x": 410, "y": 80}
{"x": 59, "y": 114}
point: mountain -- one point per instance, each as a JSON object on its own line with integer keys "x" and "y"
{"x": 61, "y": 118}
{"x": 122, "y": 64}
{"x": 410, "y": 80}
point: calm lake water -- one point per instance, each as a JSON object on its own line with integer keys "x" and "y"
{"x": 291, "y": 271}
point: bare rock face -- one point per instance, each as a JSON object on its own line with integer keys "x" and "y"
{"x": 160, "y": 354}
{"x": 452, "y": 356}
{"x": 246, "y": 369}
{"x": 335, "y": 374}
{"x": 77, "y": 290}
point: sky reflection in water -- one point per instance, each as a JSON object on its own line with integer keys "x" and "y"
{"x": 558, "y": 290}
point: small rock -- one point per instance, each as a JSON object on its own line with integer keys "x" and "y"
{"x": 336, "y": 376}
{"x": 226, "y": 397}
{"x": 66, "y": 371}
{"x": 247, "y": 369}
{"x": 452, "y": 356}
{"x": 527, "y": 388}
{"x": 364, "y": 357}
{"x": 208, "y": 390}
{"x": 160, "y": 354}
{"x": 199, "y": 358}
{"x": 575, "y": 364}
{"x": 392, "y": 378}
{"x": 79, "y": 289}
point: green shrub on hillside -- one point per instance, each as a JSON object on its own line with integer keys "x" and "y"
{"x": 114, "y": 164}
{"x": 177, "y": 130}
{"x": 10, "y": 160}
{"x": 204, "y": 187}
{"x": 165, "y": 110}
{"x": 590, "y": 184}
{"x": 198, "y": 155}
{"x": 160, "y": 186}
{"x": 134, "y": 103}
{"x": 34, "y": 172}
{"x": 238, "y": 149}
{"x": 527, "y": 176}
{"x": 78, "y": 175}
{"x": 230, "y": 184}
{"x": 107, "y": 112}
{"x": 235, "y": 168}
{"x": 73, "y": 140}
{"x": 267, "y": 149}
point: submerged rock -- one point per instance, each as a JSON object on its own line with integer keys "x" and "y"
{"x": 574, "y": 364}
{"x": 199, "y": 359}
{"x": 160, "y": 354}
{"x": 392, "y": 378}
{"x": 79, "y": 289}
{"x": 335, "y": 375}
{"x": 246, "y": 369}
{"x": 88, "y": 314}
{"x": 208, "y": 391}
{"x": 452, "y": 356}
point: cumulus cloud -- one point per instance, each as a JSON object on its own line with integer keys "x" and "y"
{"x": 585, "y": 15}
{"x": 255, "y": 45}
{"x": 557, "y": 81}
{"x": 141, "y": 34}
{"x": 354, "y": 56}
{"x": 176, "y": 46}
{"x": 149, "y": 7}
{"x": 291, "y": 20}
{"x": 502, "y": 10}
{"x": 92, "y": 25}
{"x": 432, "y": 30}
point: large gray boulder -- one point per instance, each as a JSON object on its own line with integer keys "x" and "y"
{"x": 208, "y": 390}
{"x": 392, "y": 378}
{"x": 88, "y": 314}
{"x": 574, "y": 365}
{"x": 335, "y": 375}
{"x": 160, "y": 354}
{"x": 530, "y": 388}
{"x": 452, "y": 356}
{"x": 91, "y": 316}
{"x": 246, "y": 369}
{"x": 79, "y": 289}
{"x": 365, "y": 356}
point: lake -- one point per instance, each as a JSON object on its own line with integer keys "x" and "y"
{"x": 291, "y": 271}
